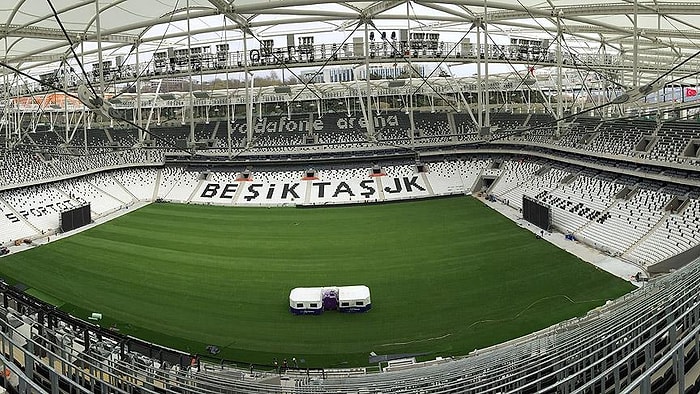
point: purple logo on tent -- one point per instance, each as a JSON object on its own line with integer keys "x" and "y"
{"x": 330, "y": 299}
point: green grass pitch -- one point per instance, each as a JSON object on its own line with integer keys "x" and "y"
{"x": 447, "y": 276}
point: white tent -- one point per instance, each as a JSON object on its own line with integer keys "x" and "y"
{"x": 314, "y": 300}
{"x": 305, "y": 300}
{"x": 354, "y": 299}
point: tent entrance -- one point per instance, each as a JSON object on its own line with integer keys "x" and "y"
{"x": 330, "y": 299}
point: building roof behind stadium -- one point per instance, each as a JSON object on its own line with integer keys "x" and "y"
{"x": 665, "y": 33}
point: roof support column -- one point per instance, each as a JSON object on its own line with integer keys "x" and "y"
{"x": 229, "y": 120}
{"x": 560, "y": 100}
{"x": 189, "y": 75}
{"x": 139, "y": 115}
{"x": 635, "y": 50}
{"x": 487, "y": 99}
{"x": 100, "y": 65}
{"x": 84, "y": 117}
{"x": 479, "y": 85}
{"x": 479, "y": 90}
{"x": 5, "y": 123}
{"x": 66, "y": 123}
{"x": 248, "y": 93}
{"x": 368, "y": 108}
{"x": 229, "y": 110}
{"x": 409, "y": 97}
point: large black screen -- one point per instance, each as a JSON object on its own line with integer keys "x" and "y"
{"x": 536, "y": 213}
{"x": 76, "y": 217}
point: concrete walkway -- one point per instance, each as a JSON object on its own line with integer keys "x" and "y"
{"x": 615, "y": 266}
{"x": 42, "y": 240}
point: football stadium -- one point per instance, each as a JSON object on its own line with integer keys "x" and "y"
{"x": 293, "y": 196}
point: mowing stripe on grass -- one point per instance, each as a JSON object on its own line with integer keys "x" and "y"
{"x": 449, "y": 270}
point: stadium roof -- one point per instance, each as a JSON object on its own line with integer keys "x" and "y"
{"x": 667, "y": 31}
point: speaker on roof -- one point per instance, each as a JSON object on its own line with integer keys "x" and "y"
{"x": 90, "y": 99}
{"x": 85, "y": 95}
{"x": 638, "y": 92}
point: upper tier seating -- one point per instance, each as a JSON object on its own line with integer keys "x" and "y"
{"x": 465, "y": 127}
{"x": 394, "y": 128}
{"x": 432, "y": 128}
{"x": 123, "y": 138}
{"x": 95, "y": 138}
{"x": 504, "y": 121}
{"x": 21, "y": 167}
{"x": 311, "y": 132}
{"x": 579, "y": 130}
{"x": 620, "y": 137}
{"x": 673, "y": 137}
